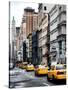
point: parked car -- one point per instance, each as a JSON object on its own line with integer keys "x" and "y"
{"x": 56, "y": 72}
{"x": 41, "y": 70}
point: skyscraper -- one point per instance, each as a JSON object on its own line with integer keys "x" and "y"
{"x": 13, "y": 41}
{"x": 28, "y": 13}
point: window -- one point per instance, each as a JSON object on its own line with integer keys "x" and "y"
{"x": 60, "y": 44}
{"x": 45, "y": 8}
{"x": 60, "y": 8}
{"x": 60, "y": 47}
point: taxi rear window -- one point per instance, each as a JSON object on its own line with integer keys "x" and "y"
{"x": 60, "y": 67}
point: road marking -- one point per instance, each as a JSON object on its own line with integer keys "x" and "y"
{"x": 46, "y": 84}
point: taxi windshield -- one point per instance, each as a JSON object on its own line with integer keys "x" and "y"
{"x": 30, "y": 65}
{"x": 41, "y": 66}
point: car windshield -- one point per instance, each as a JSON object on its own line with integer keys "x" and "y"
{"x": 59, "y": 67}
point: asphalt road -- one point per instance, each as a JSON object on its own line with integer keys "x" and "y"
{"x": 20, "y": 78}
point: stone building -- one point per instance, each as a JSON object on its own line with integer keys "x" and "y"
{"x": 58, "y": 33}
{"x": 43, "y": 31}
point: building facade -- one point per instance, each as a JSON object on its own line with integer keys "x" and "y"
{"x": 43, "y": 31}
{"x": 28, "y": 13}
{"x": 24, "y": 52}
{"x": 30, "y": 47}
{"x": 17, "y": 41}
{"x": 35, "y": 47}
{"x": 58, "y": 33}
{"x": 35, "y": 21}
{"x": 44, "y": 39}
{"x": 35, "y": 39}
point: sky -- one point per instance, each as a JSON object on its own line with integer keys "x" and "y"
{"x": 17, "y": 10}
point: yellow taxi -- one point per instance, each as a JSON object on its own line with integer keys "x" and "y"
{"x": 57, "y": 72}
{"x": 41, "y": 70}
{"x": 30, "y": 67}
